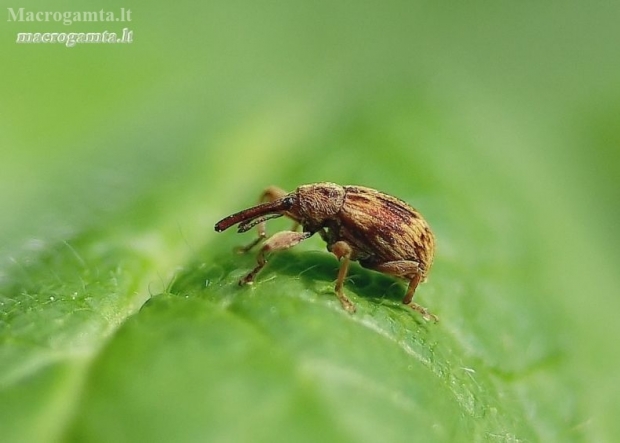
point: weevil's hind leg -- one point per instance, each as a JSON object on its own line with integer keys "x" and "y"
{"x": 270, "y": 194}
{"x": 281, "y": 240}
{"x": 343, "y": 251}
{"x": 409, "y": 270}
{"x": 408, "y": 300}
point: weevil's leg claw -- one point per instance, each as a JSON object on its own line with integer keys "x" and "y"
{"x": 423, "y": 311}
{"x": 248, "y": 279}
{"x": 410, "y": 270}
{"x": 346, "y": 303}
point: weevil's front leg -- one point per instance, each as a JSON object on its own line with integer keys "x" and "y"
{"x": 342, "y": 251}
{"x": 409, "y": 270}
{"x": 272, "y": 193}
{"x": 281, "y": 240}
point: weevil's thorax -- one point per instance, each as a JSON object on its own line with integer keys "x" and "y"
{"x": 318, "y": 203}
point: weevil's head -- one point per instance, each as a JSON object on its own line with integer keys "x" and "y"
{"x": 316, "y": 203}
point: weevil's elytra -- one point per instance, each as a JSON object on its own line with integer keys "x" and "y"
{"x": 379, "y": 231}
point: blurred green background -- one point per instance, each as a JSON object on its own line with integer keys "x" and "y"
{"x": 120, "y": 318}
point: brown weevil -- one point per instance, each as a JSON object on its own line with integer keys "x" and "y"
{"x": 379, "y": 231}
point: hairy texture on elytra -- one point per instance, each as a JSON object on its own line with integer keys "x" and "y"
{"x": 385, "y": 228}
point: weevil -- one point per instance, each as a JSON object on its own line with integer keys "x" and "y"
{"x": 381, "y": 232}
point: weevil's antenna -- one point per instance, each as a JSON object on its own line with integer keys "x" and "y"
{"x": 280, "y": 205}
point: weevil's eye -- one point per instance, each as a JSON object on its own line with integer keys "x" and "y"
{"x": 288, "y": 202}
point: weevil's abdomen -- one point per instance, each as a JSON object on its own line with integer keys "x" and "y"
{"x": 383, "y": 228}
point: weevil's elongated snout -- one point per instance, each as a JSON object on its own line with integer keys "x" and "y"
{"x": 256, "y": 214}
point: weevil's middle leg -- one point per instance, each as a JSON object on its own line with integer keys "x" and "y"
{"x": 410, "y": 270}
{"x": 270, "y": 194}
{"x": 343, "y": 251}
{"x": 281, "y": 240}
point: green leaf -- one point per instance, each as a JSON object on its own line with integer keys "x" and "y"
{"x": 120, "y": 314}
